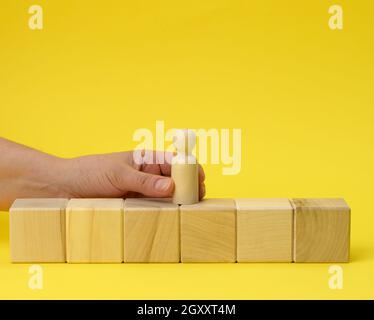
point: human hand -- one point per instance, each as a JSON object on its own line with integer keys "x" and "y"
{"x": 117, "y": 175}
{"x": 29, "y": 173}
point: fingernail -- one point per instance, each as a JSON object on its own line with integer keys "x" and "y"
{"x": 162, "y": 184}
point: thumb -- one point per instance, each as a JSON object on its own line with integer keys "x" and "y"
{"x": 150, "y": 185}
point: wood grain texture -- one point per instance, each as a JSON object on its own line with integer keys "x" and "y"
{"x": 186, "y": 182}
{"x": 37, "y": 230}
{"x": 184, "y": 168}
{"x": 151, "y": 231}
{"x": 94, "y": 230}
{"x": 208, "y": 231}
{"x": 322, "y": 230}
{"x": 264, "y": 230}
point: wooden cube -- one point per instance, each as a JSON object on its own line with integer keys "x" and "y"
{"x": 322, "y": 230}
{"x": 264, "y": 230}
{"x": 151, "y": 230}
{"x": 94, "y": 230}
{"x": 37, "y": 230}
{"x": 208, "y": 231}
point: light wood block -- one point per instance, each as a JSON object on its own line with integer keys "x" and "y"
{"x": 94, "y": 230}
{"x": 264, "y": 230}
{"x": 37, "y": 230}
{"x": 322, "y": 230}
{"x": 151, "y": 230}
{"x": 208, "y": 231}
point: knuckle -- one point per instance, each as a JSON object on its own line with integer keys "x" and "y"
{"x": 143, "y": 182}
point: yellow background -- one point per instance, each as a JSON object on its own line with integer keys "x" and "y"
{"x": 301, "y": 93}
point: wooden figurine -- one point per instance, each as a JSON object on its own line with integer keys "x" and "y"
{"x": 184, "y": 169}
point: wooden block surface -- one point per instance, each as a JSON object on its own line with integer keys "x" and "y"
{"x": 208, "y": 231}
{"x": 151, "y": 230}
{"x": 322, "y": 230}
{"x": 264, "y": 230}
{"x": 94, "y": 230}
{"x": 37, "y": 230}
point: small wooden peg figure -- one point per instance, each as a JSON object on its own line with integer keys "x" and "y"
{"x": 184, "y": 168}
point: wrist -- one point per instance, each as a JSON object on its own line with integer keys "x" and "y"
{"x": 58, "y": 178}
{"x": 46, "y": 177}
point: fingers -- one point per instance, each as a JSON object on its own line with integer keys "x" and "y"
{"x": 153, "y": 185}
{"x": 159, "y": 163}
{"x": 150, "y": 185}
{"x": 201, "y": 174}
{"x": 201, "y": 191}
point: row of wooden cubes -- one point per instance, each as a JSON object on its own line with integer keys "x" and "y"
{"x": 155, "y": 230}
